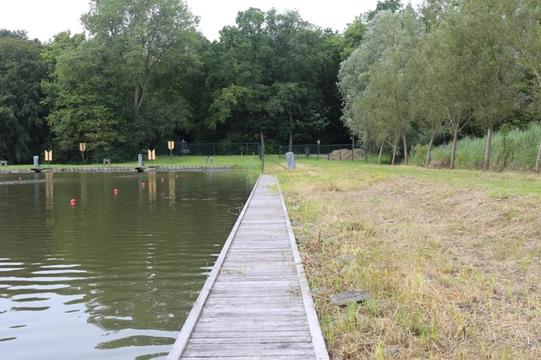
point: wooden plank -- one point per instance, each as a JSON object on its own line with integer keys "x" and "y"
{"x": 260, "y": 357}
{"x": 245, "y": 327}
{"x": 240, "y": 339}
{"x": 246, "y": 336}
{"x": 253, "y": 304}
{"x": 247, "y": 314}
{"x": 189, "y": 324}
{"x": 251, "y": 349}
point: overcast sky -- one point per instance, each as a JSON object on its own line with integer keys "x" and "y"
{"x": 44, "y": 18}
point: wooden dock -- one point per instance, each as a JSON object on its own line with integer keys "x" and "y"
{"x": 255, "y": 303}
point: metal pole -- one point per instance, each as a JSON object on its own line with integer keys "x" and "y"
{"x": 352, "y": 147}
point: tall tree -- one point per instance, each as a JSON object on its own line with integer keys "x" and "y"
{"x": 386, "y": 5}
{"x": 445, "y": 82}
{"x": 138, "y": 55}
{"x": 22, "y": 69}
{"x": 84, "y": 101}
{"x": 524, "y": 34}
{"x": 141, "y": 36}
{"x": 493, "y": 63}
{"x": 381, "y": 65}
{"x": 267, "y": 79}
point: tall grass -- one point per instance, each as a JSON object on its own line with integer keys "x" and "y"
{"x": 511, "y": 150}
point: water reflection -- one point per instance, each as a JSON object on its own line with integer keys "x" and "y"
{"x": 112, "y": 277}
{"x": 172, "y": 189}
{"x": 49, "y": 199}
{"x": 152, "y": 190}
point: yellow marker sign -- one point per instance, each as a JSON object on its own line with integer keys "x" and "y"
{"x": 151, "y": 154}
{"x": 82, "y": 146}
{"x": 171, "y": 145}
{"x": 48, "y": 155}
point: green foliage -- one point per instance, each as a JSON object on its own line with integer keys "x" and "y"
{"x": 144, "y": 74}
{"x": 22, "y": 130}
{"x": 124, "y": 88}
{"x": 266, "y": 77}
{"x": 512, "y": 150}
{"x": 376, "y": 80}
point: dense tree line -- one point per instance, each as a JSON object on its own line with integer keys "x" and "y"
{"x": 397, "y": 76}
{"x": 452, "y": 64}
{"x": 141, "y": 75}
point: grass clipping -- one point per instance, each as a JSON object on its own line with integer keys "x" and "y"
{"x": 453, "y": 273}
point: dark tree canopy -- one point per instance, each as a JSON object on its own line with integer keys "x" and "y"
{"x": 22, "y": 69}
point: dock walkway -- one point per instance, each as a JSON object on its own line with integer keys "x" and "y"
{"x": 255, "y": 303}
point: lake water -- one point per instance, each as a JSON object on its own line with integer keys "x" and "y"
{"x": 115, "y": 275}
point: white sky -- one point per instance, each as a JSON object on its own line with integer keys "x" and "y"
{"x": 44, "y": 18}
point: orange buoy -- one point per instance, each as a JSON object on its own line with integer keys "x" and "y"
{"x": 72, "y": 202}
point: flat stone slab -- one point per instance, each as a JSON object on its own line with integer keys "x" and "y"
{"x": 348, "y": 296}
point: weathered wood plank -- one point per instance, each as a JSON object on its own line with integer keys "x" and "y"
{"x": 233, "y": 327}
{"x": 253, "y": 349}
{"x": 253, "y": 305}
{"x": 236, "y": 338}
{"x": 246, "y": 336}
{"x": 261, "y": 357}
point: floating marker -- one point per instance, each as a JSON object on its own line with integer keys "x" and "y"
{"x": 20, "y": 178}
{"x": 163, "y": 180}
{"x": 143, "y": 184}
{"x": 176, "y": 176}
{"x": 72, "y": 202}
{"x": 115, "y": 191}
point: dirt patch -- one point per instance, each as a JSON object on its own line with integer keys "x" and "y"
{"x": 345, "y": 154}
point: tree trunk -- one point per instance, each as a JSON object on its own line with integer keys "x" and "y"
{"x": 429, "y": 152}
{"x": 486, "y": 162}
{"x": 538, "y": 160}
{"x": 262, "y": 140}
{"x": 291, "y": 132}
{"x": 394, "y": 154}
{"x": 262, "y": 151}
{"x": 380, "y": 153}
{"x": 366, "y": 155}
{"x": 405, "y": 150}
{"x": 453, "y": 150}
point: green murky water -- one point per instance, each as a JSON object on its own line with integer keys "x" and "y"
{"x": 115, "y": 275}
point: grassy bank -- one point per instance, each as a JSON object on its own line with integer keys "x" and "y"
{"x": 513, "y": 150}
{"x": 235, "y": 161}
{"x": 450, "y": 259}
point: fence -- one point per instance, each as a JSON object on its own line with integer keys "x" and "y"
{"x": 183, "y": 148}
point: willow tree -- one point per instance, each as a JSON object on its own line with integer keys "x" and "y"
{"x": 382, "y": 63}
{"x": 523, "y": 18}
{"x": 445, "y": 79}
{"x": 428, "y": 110}
{"x": 492, "y": 62}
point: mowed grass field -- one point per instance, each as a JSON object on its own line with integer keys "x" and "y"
{"x": 451, "y": 259}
